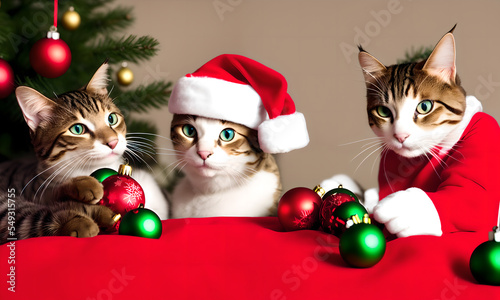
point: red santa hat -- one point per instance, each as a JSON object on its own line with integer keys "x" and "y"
{"x": 238, "y": 89}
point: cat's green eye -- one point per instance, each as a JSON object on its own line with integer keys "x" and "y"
{"x": 425, "y": 107}
{"x": 227, "y": 135}
{"x": 189, "y": 130}
{"x": 383, "y": 111}
{"x": 77, "y": 129}
{"x": 112, "y": 119}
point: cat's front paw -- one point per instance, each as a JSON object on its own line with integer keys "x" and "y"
{"x": 407, "y": 213}
{"x": 85, "y": 189}
{"x": 79, "y": 226}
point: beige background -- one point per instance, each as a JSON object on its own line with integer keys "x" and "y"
{"x": 312, "y": 43}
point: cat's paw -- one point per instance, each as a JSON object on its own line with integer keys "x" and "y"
{"x": 407, "y": 213}
{"x": 85, "y": 189}
{"x": 370, "y": 199}
{"x": 79, "y": 226}
{"x": 346, "y": 181}
{"x": 104, "y": 216}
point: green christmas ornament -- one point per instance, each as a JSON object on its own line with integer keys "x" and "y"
{"x": 340, "y": 190}
{"x": 333, "y": 200}
{"x": 362, "y": 245}
{"x": 141, "y": 222}
{"x": 346, "y": 210}
{"x": 101, "y": 174}
{"x": 485, "y": 260}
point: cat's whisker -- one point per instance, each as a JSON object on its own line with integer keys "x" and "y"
{"x": 377, "y": 91}
{"x": 47, "y": 182}
{"x": 370, "y": 144}
{"x": 362, "y": 140}
{"x": 143, "y": 143}
{"x": 44, "y": 171}
{"x": 147, "y": 133}
{"x": 141, "y": 150}
{"x": 371, "y": 153}
{"x": 134, "y": 154}
{"x": 364, "y": 150}
{"x": 430, "y": 162}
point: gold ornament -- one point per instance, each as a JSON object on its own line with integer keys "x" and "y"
{"x": 125, "y": 76}
{"x": 71, "y": 19}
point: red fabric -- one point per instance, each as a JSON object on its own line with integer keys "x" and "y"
{"x": 268, "y": 83}
{"x": 463, "y": 186}
{"x": 238, "y": 258}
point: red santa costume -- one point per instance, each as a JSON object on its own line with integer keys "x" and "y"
{"x": 454, "y": 191}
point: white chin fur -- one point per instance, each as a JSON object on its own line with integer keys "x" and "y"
{"x": 406, "y": 152}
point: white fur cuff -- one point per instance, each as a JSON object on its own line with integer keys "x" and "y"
{"x": 407, "y": 213}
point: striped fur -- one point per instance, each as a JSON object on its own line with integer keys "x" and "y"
{"x": 215, "y": 167}
{"x": 414, "y": 107}
{"x": 46, "y": 196}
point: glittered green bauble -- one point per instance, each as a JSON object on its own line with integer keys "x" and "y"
{"x": 332, "y": 200}
{"x": 345, "y": 211}
{"x": 485, "y": 263}
{"x": 362, "y": 245}
{"x": 101, "y": 174}
{"x": 141, "y": 222}
{"x": 340, "y": 190}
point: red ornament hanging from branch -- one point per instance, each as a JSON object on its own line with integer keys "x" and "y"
{"x": 6, "y": 79}
{"x": 51, "y": 56}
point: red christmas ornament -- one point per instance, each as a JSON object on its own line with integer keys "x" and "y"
{"x": 121, "y": 192}
{"x": 6, "y": 79}
{"x": 331, "y": 201}
{"x": 50, "y": 56}
{"x": 299, "y": 208}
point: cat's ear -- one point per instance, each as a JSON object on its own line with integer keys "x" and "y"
{"x": 371, "y": 66}
{"x": 35, "y": 106}
{"x": 99, "y": 82}
{"x": 441, "y": 62}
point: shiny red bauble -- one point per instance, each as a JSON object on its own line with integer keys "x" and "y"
{"x": 298, "y": 209}
{"x": 331, "y": 201}
{"x": 6, "y": 79}
{"x": 50, "y": 57}
{"x": 122, "y": 194}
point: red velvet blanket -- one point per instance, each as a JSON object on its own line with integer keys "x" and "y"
{"x": 236, "y": 258}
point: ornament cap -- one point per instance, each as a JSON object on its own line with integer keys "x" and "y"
{"x": 366, "y": 219}
{"x": 495, "y": 234}
{"x": 319, "y": 190}
{"x": 125, "y": 170}
{"x": 117, "y": 217}
{"x": 52, "y": 33}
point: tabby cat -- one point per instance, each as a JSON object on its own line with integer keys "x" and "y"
{"x": 439, "y": 169}
{"x": 226, "y": 173}
{"x": 73, "y": 135}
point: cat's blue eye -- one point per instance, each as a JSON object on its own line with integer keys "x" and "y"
{"x": 188, "y": 130}
{"x": 425, "y": 107}
{"x": 112, "y": 119}
{"x": 77, "y": 129}
{"x": 383, "y": 111}
{"x": 227, "y": 135}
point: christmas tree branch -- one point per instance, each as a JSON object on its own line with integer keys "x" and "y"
{"x": 108, "y": 22}
{"x": 130, "y": 48}
{"x": 143, "y": 98}
{"x": 416, "y": 55}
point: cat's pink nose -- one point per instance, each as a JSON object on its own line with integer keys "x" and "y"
{"x": 112, "y": 144}
{"x": 401, "y": 137}
{"x": 204, "y": 154}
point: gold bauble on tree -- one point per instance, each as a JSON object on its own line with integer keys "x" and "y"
{"x": 125, "y": 76}
{"x": 71, "y": 19}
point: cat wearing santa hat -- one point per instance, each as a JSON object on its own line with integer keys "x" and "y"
{"x": 230, "y": 116}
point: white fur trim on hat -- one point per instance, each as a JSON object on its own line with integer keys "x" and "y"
{"x": 283, "y": 133}
{"x": 218, "y": 99}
